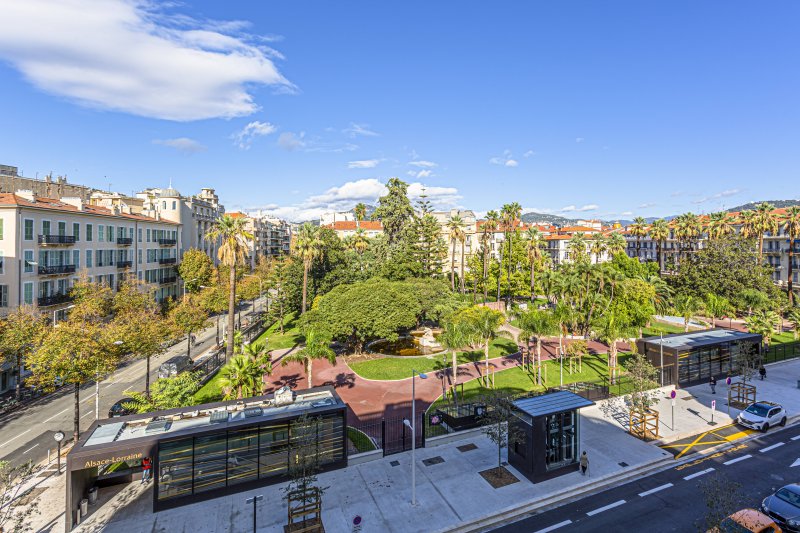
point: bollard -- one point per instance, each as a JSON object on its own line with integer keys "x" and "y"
{"x": 84, "y": 507}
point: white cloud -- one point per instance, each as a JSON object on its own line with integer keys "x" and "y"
{"x": 717, "y": 196}
{"x": 366, "y": 163}
{"x": 290, "y": 141}
{"x": 529, "y": 153}
{"x": 626, "y": 213}
{"x": 646, "y": 205}
{"x": 134, "y": 57}
{"x": 362, "y": 130}
{"x": 579, "y": 139}
{"x": 572, "y": 208}
{"x": 244, "y": 137}
{"x": 423, "y": 164}
{"x": 425, "y": 173}
{"x": 511, "y": 163}
{"x": 182, "y": 144}
{"x": 506, "y": 160}
{"x": 298, "y": 141}
{"x": 347, "y": 195}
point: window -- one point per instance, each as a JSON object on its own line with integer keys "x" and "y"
{"x": 111, "y": 234}
{"x": 28, "y": 260}
{"x": 164, "y": 204}
{"x": 140, "y": 234}
{"x": 173, "y": 205}
{"x": 76, "y": 259}
{"x": 28, "y": 233}
{"x": 242, "y": 455}
{"x": 100, "y": 233}
{"x": 76, "y": 231}
{"x": 62, "y": 229}
{"x": 148, "y": 235}
{"x": 88, "y": 259}
{"x": 1, "y": 229}
{"x": 175, "y": 468}
{"x": 3, "y": 295}
{"x": 88, "y": 232}
{"x": 139, "y": 256}
{"x": 45, "y": 227}
{"x": 27, "y": 293}
{"x": 210, "y": 462}
{"x": 1, "y": 261}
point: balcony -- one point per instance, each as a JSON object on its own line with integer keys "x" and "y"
{"x": 168, "y": 280}
{"x": 124, "y": 264}
{"x": 53, "y": 299}
{"x": 124, "y": 241}
{"x": 57, "y": 239}
{"x": 167, "y": 261}
{"x": 56, "y": 270}
{"x": 167, "y": 242}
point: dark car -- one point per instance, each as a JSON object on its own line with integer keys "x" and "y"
{"x": 119, "y": 410}
{"x": 174, "y": 366}
{"x": 784, "y": 507}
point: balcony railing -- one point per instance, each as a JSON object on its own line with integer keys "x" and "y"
{"x": 56, "y": 239}
{"x": 53, "y": 299}
{"x": 124, "y": 241}
{"x": 124, "y": 264}
{"x": 167, "y": 261}
{"x": 167, "y": 242}
{"x": 56, "y": 270}
{"x": 168, "y": 280}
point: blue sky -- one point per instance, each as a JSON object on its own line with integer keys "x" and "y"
{"x": 601, "y": 109}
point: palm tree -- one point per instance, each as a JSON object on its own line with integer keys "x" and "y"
{"x": 232, "y": 252}
{"x": 489, "y": 227}
{"x": 258, "y": 353}
{"x": 510, "y": 213}
{"x": 534, "y": 241}
{"x": 484, "y": 324}
{"x": 763, "y": 322}
{"x": 716, "y": 306}
{"x": 576, "y": 247}
{"x": 359, "y": 244}
{"x": 793, "y": 316}
{"x": 308, "y": 246}
{"x": 360, "y": 212}
{"x": 719, "y": 225}
{"x": 687, "y": 229}
{"x": 659, "y": 232}
{"x": 766, "y": 221}
{"x": 791, "y": 225}
{"x": 638, "y": 229}
{"x": 613, "y": 329}
{"x": 240, "y": 376}
{"x": 616, "y": 244}
{"x": 454, "y": 337}
{"x": 455, "y": 227}
{"x": 537, "y": 324}
{"x": 686, "y": 306}
{"x": 317, "y": 347}
{"x": 599, "y": 245}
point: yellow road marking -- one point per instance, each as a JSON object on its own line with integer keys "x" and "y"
{"x": 689, "y": 447}
{"x": 737, "y": 436}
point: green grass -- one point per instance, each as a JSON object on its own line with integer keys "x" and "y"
{"x": 401, "y": 367}
{"x": 291, "y": 334}
{"x": 360, "y": 440}
{"x": 783, "y": 338}
{"x": 210, "y": 392}
{"x": 661, "y": 327}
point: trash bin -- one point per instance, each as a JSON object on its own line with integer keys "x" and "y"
{"x": 77, "y": 517}
{"x": 84, "y": 507}
{"x": 92, "y": 495}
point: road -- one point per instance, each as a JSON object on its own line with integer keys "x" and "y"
{"x": 27, "y": 433}
{"x": 672, "y": 500}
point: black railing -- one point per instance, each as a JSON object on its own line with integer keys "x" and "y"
{"x": 56, "y": 269}
{"x": 53, "y": 299}
{"x": 170, "y": 279}
{"x": 124, "y": 241}
{"x": 167, "y": 261}
{"x": 781, "y": 352}
{"x": 56, "y": 239}
{"x": 167, "y": 242}
{"x": 124, "y": 264}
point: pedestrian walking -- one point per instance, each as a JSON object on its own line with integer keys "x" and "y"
{"x": 762, "y": 372}
{"x": 713, "y": 384}
{"x": 584, "y": 463}
{"x": 146, "y": 466}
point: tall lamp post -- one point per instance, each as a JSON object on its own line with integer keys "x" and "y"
{"x": 58, "y": 436}
{"x": 413, "y": 427}
{"x": 254, "y": 500}
{"x": 184, "y": 286}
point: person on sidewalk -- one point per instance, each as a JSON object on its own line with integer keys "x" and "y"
{"x": 713, "y": 384}
{"x": 146, "y": 466}
{"x": 584, "y": 463}
{"x": 762, "y": 372}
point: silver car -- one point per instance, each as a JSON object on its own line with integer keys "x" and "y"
{"x": 784, "y": 507}
{"x": 762, "y": 416}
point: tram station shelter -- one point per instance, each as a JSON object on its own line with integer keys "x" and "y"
{"x": 685, "y": 359}
{"x": 206, "y": 451}
{"x": 550, "y": 425}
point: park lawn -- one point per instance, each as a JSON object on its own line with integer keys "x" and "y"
{"x": 210, "y": 392}
{"x": 387, "y": 368}
{"x": 783, "y": 338}
{"x": 360, "y": 440}
{"x": 661, "y": 327}
{"x": 291, "y": 334}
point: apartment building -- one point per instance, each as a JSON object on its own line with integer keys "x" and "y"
{"x": 348, "y": 228}
{"x": 271, "y": 236}
{"x": 559, "y": 247}
{"x": 11, "y": 181}
{"x": 46, "y": 243}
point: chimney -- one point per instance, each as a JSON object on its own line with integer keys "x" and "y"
{"x": 26, "y": 194}
{"x": 73, "y": 201}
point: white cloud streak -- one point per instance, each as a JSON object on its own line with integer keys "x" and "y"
{"x": 366, "y": 163}
{"x": 133, "y": 57}
{"x": 505, "y": 161}
{"x": 423, "y": 164}
{"x": 717, "y": 196}
{"x": 244, "y": 138}
{"x": 359, "y": 130}
{"x": 182, "y": 144}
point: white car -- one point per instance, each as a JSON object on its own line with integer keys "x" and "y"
{"x": 762, "y": 416}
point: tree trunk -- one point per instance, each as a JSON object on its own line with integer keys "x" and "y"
{"x": 231, "y": 313}
{"x": 791, "y": 270}
{"x": 147, "y": 378}
{"x": 19, "y": 376}
{"x": 455, "y": 370}
{"x": 660, "y": 262}
{"x": 760, "y": 247}
{"x": 485, "y": 274}
{"x": 217, "y": 329}
{"x": 486, "y": 355}
{"x": 638, "y": 248}
{"x": 453, "y": 266}
{"x": 462, "y": 267}
{"x": 76, "y": 432}
{"x": 508, "y": 277}
{"x": 538, "y": 361}
{"x": 308, "y": 371}
{"x": 305, "y": 286}
{"x": 533, "y": 287}
{"x": 189, "y": 345}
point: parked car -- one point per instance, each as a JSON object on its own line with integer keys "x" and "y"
{"x": 762, "y": 416}
{"x": 174, "y": 366}
{"x": 784, "y": 507}
{"x": 747, "y": 521}
{"x": 119, "y": 410}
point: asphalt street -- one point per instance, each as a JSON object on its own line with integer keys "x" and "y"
{"x": 27, "y": 433}
{"x": 672, "y": 500}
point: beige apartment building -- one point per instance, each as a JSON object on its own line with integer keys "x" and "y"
{"x": 271, "y": 236}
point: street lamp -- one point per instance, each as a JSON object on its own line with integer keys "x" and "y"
{"x": 55, "y": 313}
{"x": 254, "y": 500}
{"x": 413, "y": 427}
{"x": 59, "y": 436}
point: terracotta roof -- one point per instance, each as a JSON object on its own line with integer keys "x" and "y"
{"x": 345, "y": 225}
{"x": 54, "y": 204}
{"x": 584, "y": 229}
{"x": 236, "y": 214}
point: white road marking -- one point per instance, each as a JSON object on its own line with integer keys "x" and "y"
{"x": 88, "y": 398}
{"x": 87, "y": 414}
{"x": 555, "y": 526}
{"x": 651, "y": 491}
{"x": 742, "y": 458}
{"x": 795, "y": 463}
{"x": 58, "y": 413}
{"x": 15, "y": 438}
{"x": 796, "y": 437}
{"x": 606, "y": 508}
{"x": 768, "y": 448}
{"x": 698, "y": 474}
{"x": 29, "y": 449}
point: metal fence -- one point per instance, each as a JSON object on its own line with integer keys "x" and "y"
{"x": 781, "y": 352}
{"x": 208, "y": 365}
{"x": 391, "y": 435}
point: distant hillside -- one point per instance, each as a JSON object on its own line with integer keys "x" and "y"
{"x": 753, "y": 205}
{"x": 543, "y": 218}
